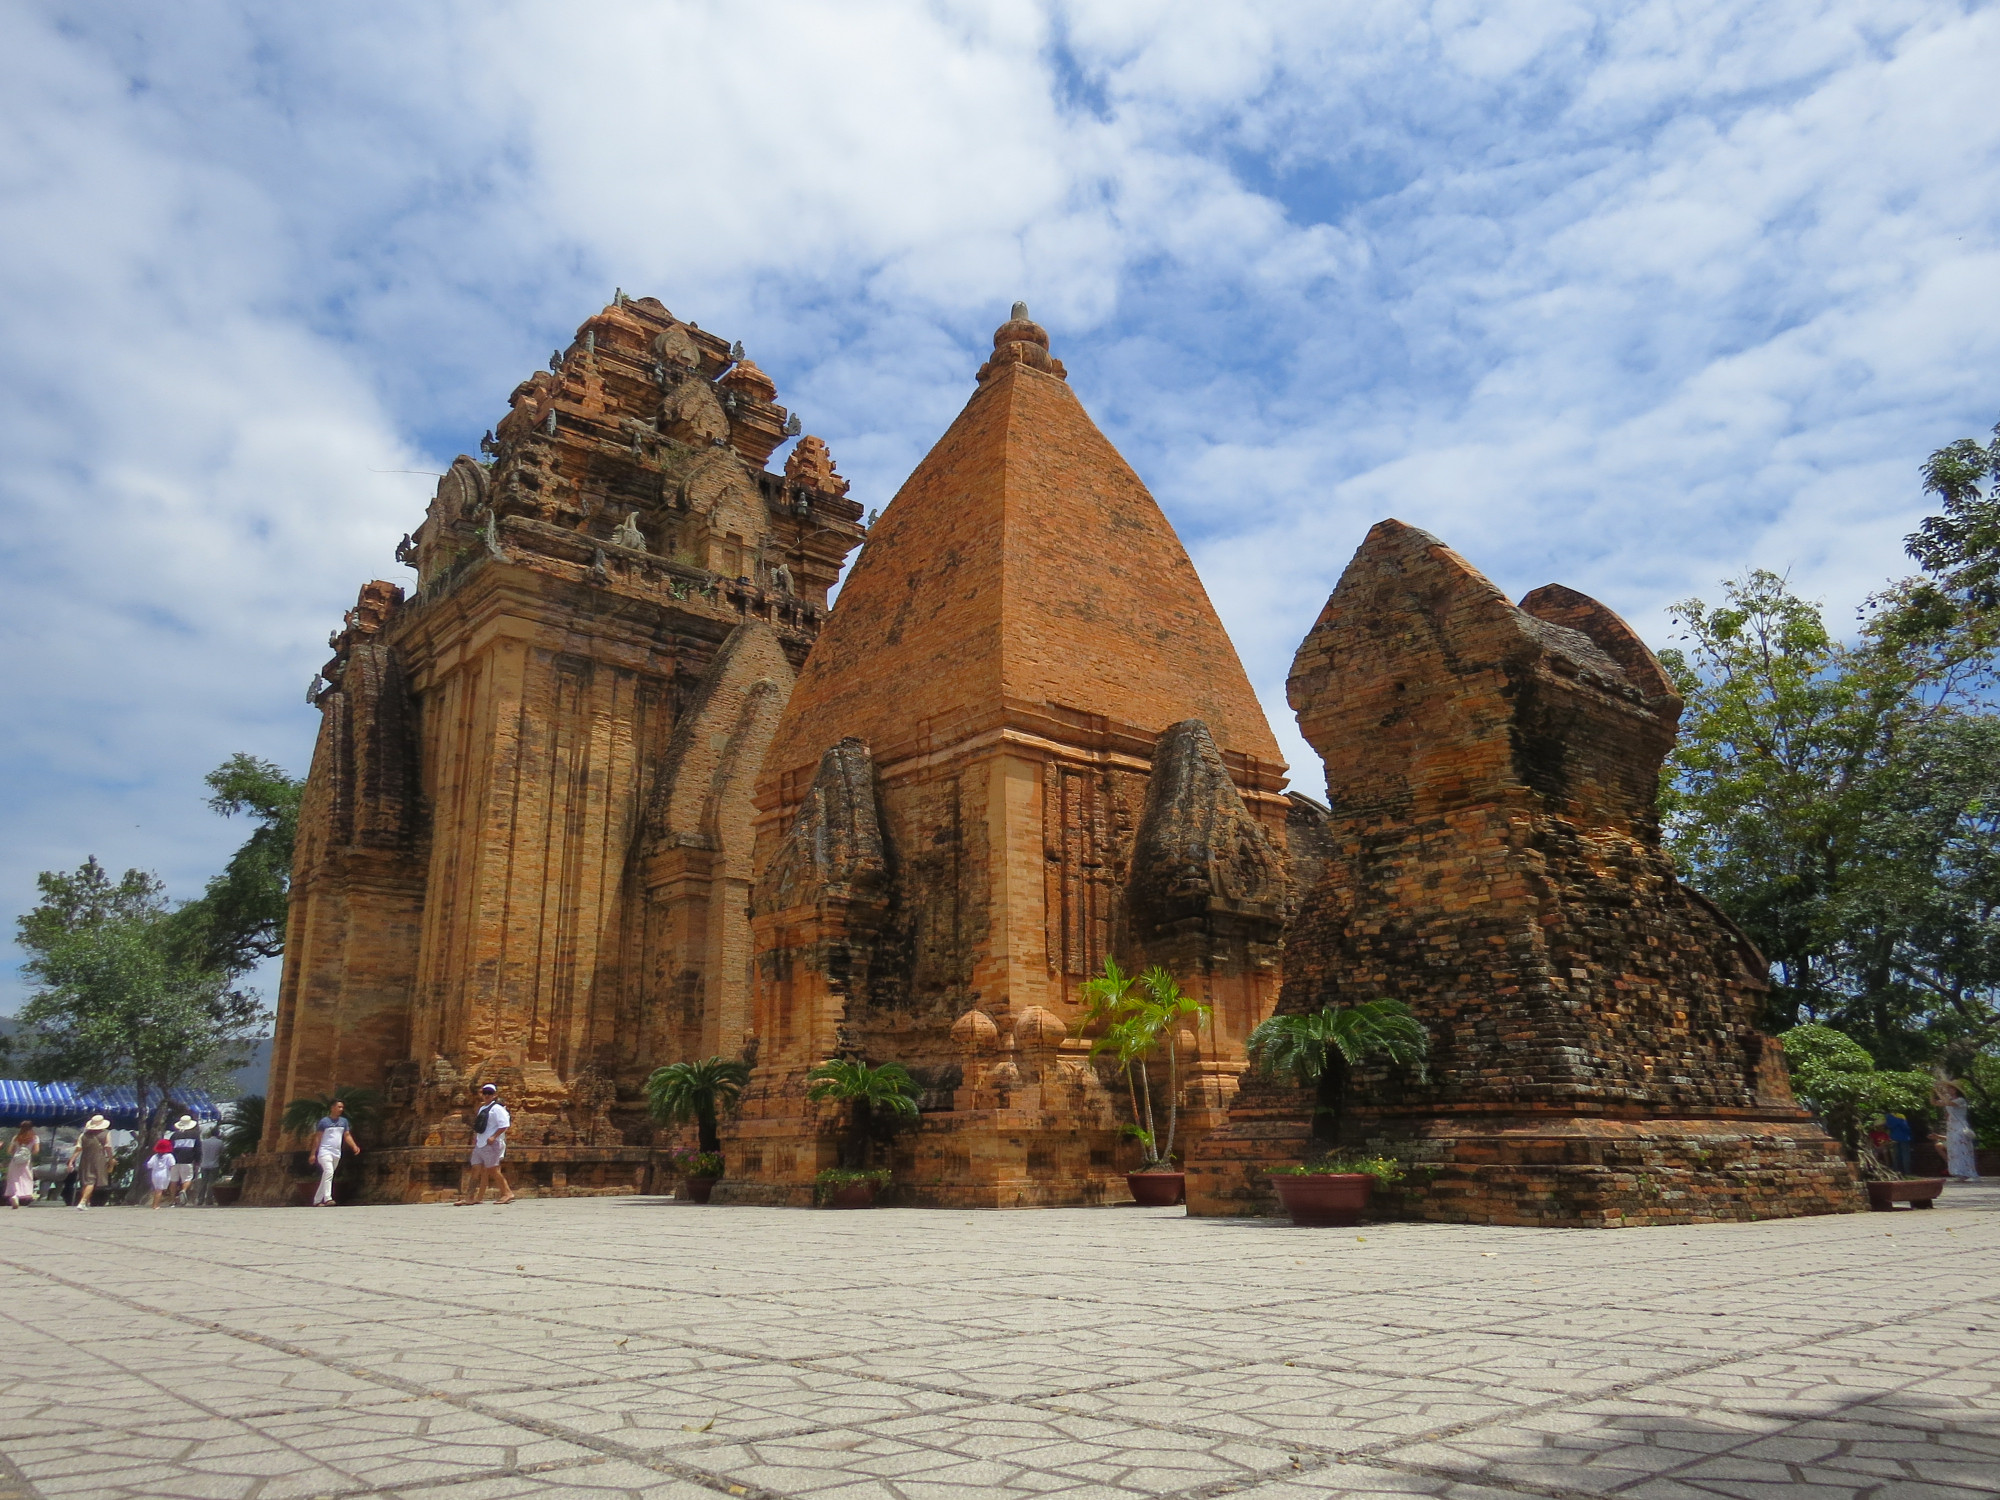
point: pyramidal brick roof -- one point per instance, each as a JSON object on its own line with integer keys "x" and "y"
{"x": 1022, "y": 568}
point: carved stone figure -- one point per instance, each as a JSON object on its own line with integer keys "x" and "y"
{"x": 628, "y": 534}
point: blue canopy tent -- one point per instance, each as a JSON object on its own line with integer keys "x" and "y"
{"x": 66, "y": 1104}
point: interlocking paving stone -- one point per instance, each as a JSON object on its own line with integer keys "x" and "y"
{"x": 628, "y": 1349}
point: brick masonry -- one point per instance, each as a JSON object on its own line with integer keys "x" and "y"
{"x": 1023, "y": 698}
{"x": 1492, "y": 856}
{"x": 525, "y": 848}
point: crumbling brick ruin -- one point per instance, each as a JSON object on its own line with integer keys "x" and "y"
{"x": 1492, "y": 857}
{"x": 1022, "y": 743}
{"x": 614, "y": 788}
{"x": 524, "y": 853}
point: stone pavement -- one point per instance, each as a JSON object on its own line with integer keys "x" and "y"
{"x": 638, "y": 1348}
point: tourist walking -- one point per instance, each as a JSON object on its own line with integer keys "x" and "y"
{"x": 21, "y": 1165}
{"x": 160, "y": 1169}
{"x": 187, "y": 1158}
{"x": 1960, "y": 1147}
{"x": 211, "y": 1164}
{"x": 489, "y": 1147}
{"x": 91, "y": 1159}
{"x": 336, "y": 1134}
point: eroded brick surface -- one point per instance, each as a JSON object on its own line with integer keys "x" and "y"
{"x": 1026, "y": 692}
{"x": 1493, "y": 858}
{"x": 524, "y": 854}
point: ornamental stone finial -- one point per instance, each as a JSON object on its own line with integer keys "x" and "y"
{"x": 1019, "y": 314}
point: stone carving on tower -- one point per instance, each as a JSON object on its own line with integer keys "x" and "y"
{"x": 524, "y": 850}
{"x": 1001, "y": 723}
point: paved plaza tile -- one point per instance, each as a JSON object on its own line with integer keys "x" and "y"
{"x": 637, "y": 1349}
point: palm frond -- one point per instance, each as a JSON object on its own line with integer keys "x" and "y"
{"x": 1302, "y": 1043}
{"x": 887, "y": 1087}
{"x": 682, "y": 1091}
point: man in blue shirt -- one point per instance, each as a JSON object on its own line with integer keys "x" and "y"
{"x": 1900, "y": 1138}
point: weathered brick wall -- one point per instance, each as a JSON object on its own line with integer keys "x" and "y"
{"x": 1020, "y": 629}
{"x": 1493, "y": 859}
{"x": 509, "y": 867}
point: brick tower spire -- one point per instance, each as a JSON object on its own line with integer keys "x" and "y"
{"x": 1024, "y": 569}
{"x": 1022, "y": 696}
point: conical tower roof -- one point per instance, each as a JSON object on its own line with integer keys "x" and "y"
{"x": 1023, "y": 568}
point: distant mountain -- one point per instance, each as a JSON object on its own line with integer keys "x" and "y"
{"x": 252, "y": 1078}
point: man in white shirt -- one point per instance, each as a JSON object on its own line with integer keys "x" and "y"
{"x": 489, "y": 1147}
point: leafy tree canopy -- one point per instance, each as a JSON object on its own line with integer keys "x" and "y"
{"x": 1841, "y": 799}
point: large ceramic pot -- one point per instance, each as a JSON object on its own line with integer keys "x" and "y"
{"x": 1323, "y": 1199}
{"x": 1918, "y": 1192}
{"x": 1157, "y": 1189}
{"x": 852, "y": 1195}
{"x": 697, "y": 1189}
{"x": 226, "y": 1193}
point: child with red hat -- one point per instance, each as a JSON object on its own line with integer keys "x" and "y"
{"x": 160, "y": 1168}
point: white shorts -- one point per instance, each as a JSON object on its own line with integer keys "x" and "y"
{"x": 183, "y": 1172}
{"x": 489, "y": 1154}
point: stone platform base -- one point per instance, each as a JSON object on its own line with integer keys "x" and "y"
{"x": 998, "y": 1158}
{"x": 1549, "y": 1169}
{"x": 432, "y": 1174}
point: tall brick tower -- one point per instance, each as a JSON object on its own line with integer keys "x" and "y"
{"x": 524, "y": 854}
{"x": 974, "y": 796}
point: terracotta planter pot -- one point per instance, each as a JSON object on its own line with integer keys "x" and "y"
{"x": 1324, "y": 1199}
{"x": 1157, "y": 1189}
{"x": 852, "y": 1195}
{"x": 226, "y": 1193}
{"x": 1918, "y": 1192}
{"x": 697, "y": 1189}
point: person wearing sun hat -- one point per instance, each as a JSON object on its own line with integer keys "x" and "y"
{"x": 160, "y": 1168}
{"x": 187, "y": 1158}
{"x": 21, "y": 1164}
{"x": 92, "y": 1158}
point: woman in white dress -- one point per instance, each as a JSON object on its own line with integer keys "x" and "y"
{"x": 1959, "y": 1144}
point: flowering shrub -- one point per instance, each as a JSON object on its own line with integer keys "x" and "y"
{"x": 697, "y": 1163}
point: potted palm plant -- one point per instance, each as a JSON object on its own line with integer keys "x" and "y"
{"x": 874, "y": 1097}
{"x": 1320, "y": 1049}
{"x": 697, "y": 1091}
{"x": 1138, "y": 1015}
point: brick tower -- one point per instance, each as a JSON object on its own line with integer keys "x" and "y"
{"x": 1022, "y": 697}
{"x": 1493, "y": 859}
{"x": 524, "y": 853}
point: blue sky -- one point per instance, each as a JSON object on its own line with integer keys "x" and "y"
{"x": 1629, "y": 297}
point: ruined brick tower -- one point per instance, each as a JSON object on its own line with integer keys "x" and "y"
{"x": 524, "y": 852}
{"x": 1022, "y": 698}
{"x": 1492, "y": 857}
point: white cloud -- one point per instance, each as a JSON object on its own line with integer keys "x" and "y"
{"x": 1625, "y": 297}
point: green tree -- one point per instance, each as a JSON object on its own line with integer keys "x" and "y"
{"x": 239, "y": 919}
{"x": 1834, "y": 1074}
{"x": 1321, "y": 1048}
{"x": 1960, "y": 548}
{"x": 874, "y": 1097}
{"x": 697, "y": 1091}
{"x": 1841, "y": 799}
{"x": 117, "y": 1000}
